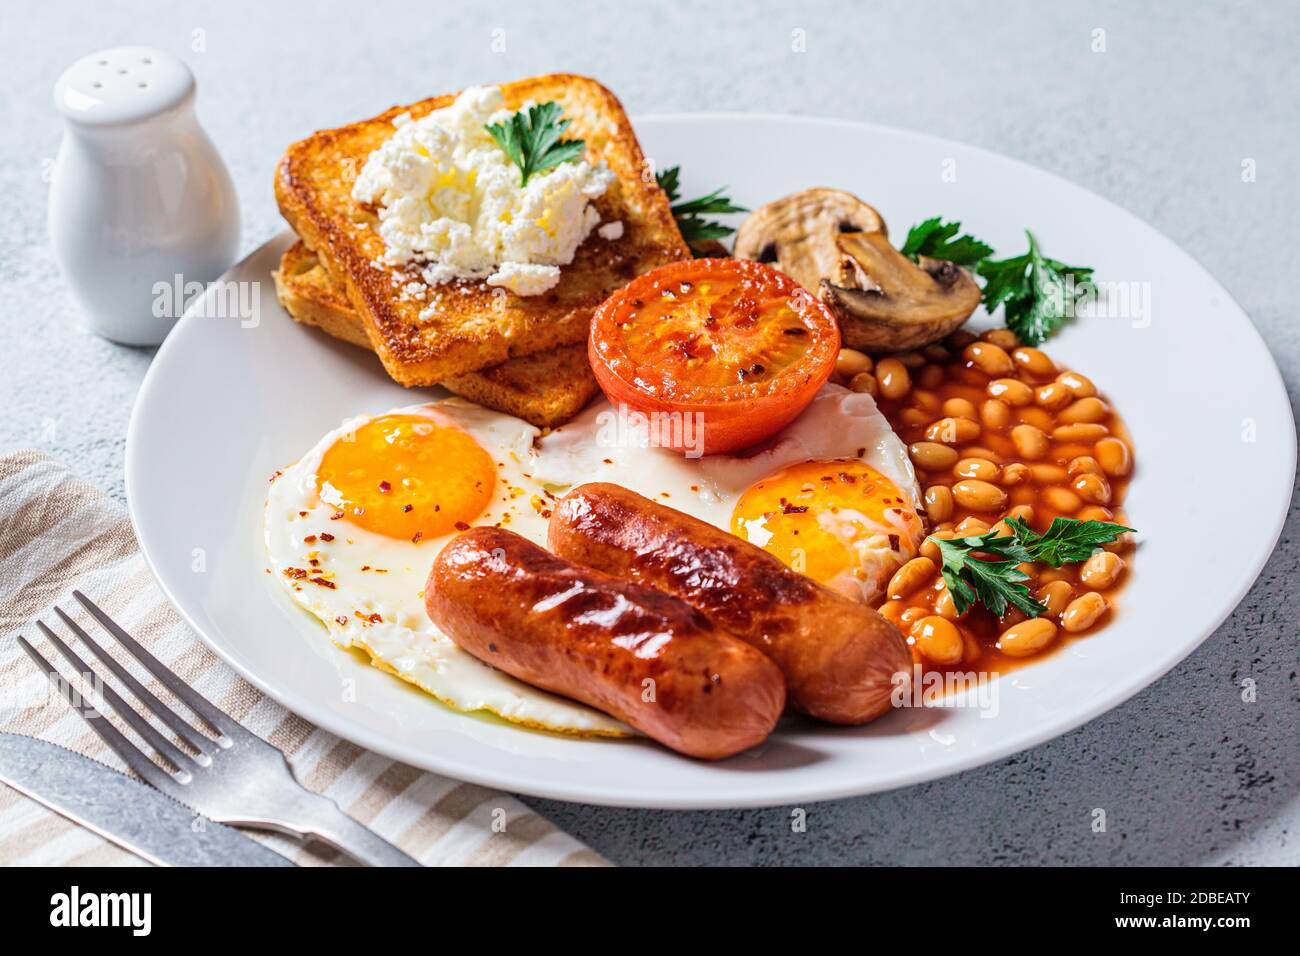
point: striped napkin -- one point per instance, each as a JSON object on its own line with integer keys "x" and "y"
{"x": 58, "y": 533}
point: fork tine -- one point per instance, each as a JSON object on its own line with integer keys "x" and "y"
{"x": 195, "y": 701}
{"x": 164, "y": 713}
{"x": 150, "y": 772}
{"x": 179, "y": 759}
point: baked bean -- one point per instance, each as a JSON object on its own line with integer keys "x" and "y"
{"x": 1048, "y": 474}
{"x": 938, "y": 502}
{"x": 938, "y": 640}
{"x": 914, "y": 416}
{"x": 1040, "y": 418}
{"x": 1011, "y": 617}
{"x": 1096, "y": 513}
{"x": 1029, "y": 441}
{"x": 895, "y": 382}
{"x": 1083, "y": 431}
{"x": 1048, "y": 575}
{"x": 930, "y": 550}
{"x": 980, "y": 468}
{"x": 1084, "y": 410}
{"x": 1014, "y": 473}
{"x": 1001, "y": 529}
{"x": 989, "y": 359}
{"x": 1053, "y": 396}
{"x": 1028, "y": 637}
{"x": 909, "y": 577}
{"x": 953, "y": 431}
{"x": 979, "y": 495}
{"x": 913, "y": 360}
{"x": 1033, "y": 361}
{"x": 1083, "y": 612}
{"x": 1093, "y": 489}
{"x": 851, "y": 362}
{"x": 1002, "y": 338}
{"x": 960, "y": 408}
{"x": 912, "y": 615}
{"x": 1062, "y": 499}
{"x": 892, "y": 611}
{"x": 1054, "y": 596}
{"x": 1083, "y": 465}
{"x": 931, "y": 376}
{"x": 936, "y": 353}
{"x": 1080, "y": 386}
{"x": 1012, "y": 391}
{"x": 944, "y": 605}
{"x": 864, "y": 382}
{"x": 1102, "y": 570}
{"x": 959, "y": 340}
{"x": 932, "y": 456}
{"x": 927, "y": 400}
{"x": 1114, "y": 457}
{"x": 1023, "y": 513}
{"x": 995, "y": 414}
{"x": 971, "y": 527}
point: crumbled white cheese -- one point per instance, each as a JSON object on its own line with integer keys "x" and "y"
{"x": 611, "y": 230}
{"x": 450, "y": 201}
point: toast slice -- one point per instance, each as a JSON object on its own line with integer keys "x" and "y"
{"x": 544, "y": 388}
{"x": 470, "y": 326}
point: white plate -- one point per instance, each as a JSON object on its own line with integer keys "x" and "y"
{"x": 223, "y": 406}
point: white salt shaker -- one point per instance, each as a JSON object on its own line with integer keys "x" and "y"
{"x": 140, "y": 202}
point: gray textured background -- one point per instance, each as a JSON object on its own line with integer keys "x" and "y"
{"x": 1160, "y": 123}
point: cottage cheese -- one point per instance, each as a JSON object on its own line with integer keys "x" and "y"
{"x": 450, "y": 202}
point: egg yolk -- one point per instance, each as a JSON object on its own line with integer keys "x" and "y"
{"x": 825, "y": 518}
{"x": 408, "y": 477}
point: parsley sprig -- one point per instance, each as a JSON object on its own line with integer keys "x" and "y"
{"x": 996, "y": 580}
{"x": 531, "y": 139}
{"x": 1033, "y": 290}
{"x": 934, "y": 238}
{"x": 1037, "y": 293}
{"x": 689, "y": 214}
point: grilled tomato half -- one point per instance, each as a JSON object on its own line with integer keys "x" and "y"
{"x": 719, "y": 354}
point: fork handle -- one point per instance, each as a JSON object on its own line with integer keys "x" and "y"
{"x": 331, "y": 825}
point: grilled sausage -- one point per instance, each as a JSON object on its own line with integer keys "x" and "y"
{"x": 839, "y": 657}
{"x": 633, "y": 652}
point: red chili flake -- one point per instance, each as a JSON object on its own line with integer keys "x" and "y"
{"x": 381, "y": 570}
{"x": 302, "y": 514}
{"x": 295, "y": 573}
{"x": 437, "y": 507}
{"x": 376, "y": 619}
{"x": 323, "y": 583}
{"x": 416, "y": 537}
{"x": 546, "y": 513}
{"x": 861, "y": 452}
{"x": 847, "y": 478}
{"x": 326, "y": 536}
{"x": 790, "y": 509}
{"x": 315, "y": 563}
{"x": 893, "y": 542}
{"x": 336, "y": 516}
{"x": 608, "y": 461}
{"x": 461, "y": 526}
{"x": 310, "y": 539}
{"x": 365, "y": 567}
{"x": 406, "y": 508}
{"x": 341, "y": 620}
{"x": 385, "y": 487}
{"x": 277, "y": 474}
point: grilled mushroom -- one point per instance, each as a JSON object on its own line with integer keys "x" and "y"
{"x": 837, "y": 246}
{"x": 887, "y": 303}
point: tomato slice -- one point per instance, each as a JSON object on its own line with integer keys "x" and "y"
{"x": 736, "y": 345}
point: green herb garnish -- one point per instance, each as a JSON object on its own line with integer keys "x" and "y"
{"x": 689, "y": 214}
{"x": 997, "y": 580}
{"x": 532, "y": 140}
{"x": 1037, "y": 293}
{"x": 934, "y": 238}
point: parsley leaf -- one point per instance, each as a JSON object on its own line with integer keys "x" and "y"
{"x": 993, "y": 583}
{"x": 1067, "y": 540}
{"x": 1037, "y": 293}
{"x": 997, "y": 580}
{"x": 689, "y": 214}
{"x": 934, "y": 238}
{"x": 532, "y": 140}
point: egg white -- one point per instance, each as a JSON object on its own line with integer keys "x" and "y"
{"x": 532, "y": 470}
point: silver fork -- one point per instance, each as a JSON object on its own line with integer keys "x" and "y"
{"x": 235, "y": 777}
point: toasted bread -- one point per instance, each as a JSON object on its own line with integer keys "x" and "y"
{"x": 544, "y": 388}
{"x": 471, "y": 326}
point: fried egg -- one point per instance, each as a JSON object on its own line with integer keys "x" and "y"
{"x": 352, "y": 529}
